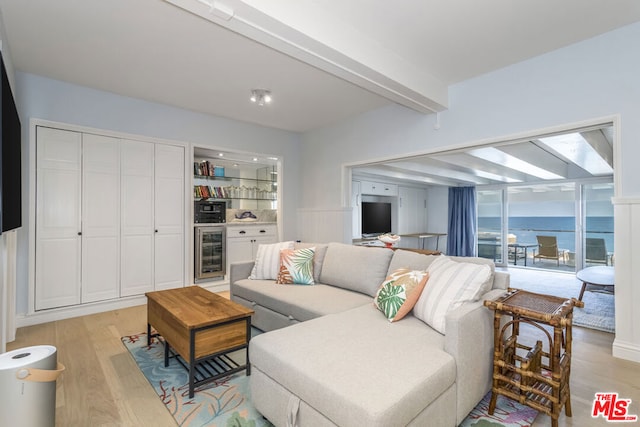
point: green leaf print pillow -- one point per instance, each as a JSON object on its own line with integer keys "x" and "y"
{"x": 399, "y": 292}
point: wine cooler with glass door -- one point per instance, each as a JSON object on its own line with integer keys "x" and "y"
{"x": 210, "y": 257}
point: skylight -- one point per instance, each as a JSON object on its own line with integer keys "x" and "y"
{"x": 574, "y": 147}
{"x": 501, "y": 158}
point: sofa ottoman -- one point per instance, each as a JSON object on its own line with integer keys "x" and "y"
{"x": 358, "y": 370}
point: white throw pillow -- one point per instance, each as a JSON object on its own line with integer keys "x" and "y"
{"x": 267, "y": 262}
{"x": 450, "y": 285}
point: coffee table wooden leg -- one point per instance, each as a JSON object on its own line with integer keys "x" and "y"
{"x": 148, "y": 334}
{"x": 166, "y": 353}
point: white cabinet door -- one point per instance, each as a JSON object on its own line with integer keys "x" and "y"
{"x": 58, "y": 240}
{"x": 356, "y": 214}
{"x": 169, "y": 217}
{"x": 412, "y": 210}
{"x": 100, "y": 218}
{"x": 137, "y": 220}
{"x": 243, "y": 242}
{"x": 378, "y": 188}
{"x": 239, "y": 249}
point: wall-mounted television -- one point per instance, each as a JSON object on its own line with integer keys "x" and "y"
{"x": 376, "y": 218}
{"x": 11, "y": 158}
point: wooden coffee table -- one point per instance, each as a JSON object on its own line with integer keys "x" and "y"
{"x": 202, "y": 328}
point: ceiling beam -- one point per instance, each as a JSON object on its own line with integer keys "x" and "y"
{"x": 600, "y": 143}
{"x": 290, "y": 28}
{"x": 531, "y": 153}
{"x": 433, "y": 167}
{"x": 383, "y": 171}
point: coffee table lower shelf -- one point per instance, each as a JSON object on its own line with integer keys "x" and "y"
{"x": 207, "y": 369}
{"x": 212, "y": 366}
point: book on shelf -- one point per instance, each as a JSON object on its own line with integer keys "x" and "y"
{"x": 210, "y": 192}
{"x": 206, "y": 168}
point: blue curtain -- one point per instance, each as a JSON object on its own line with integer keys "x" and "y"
{"x": 462, "y": 221}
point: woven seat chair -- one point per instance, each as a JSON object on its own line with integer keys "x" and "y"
{"x": 596, "y": 251}
{"x": 548, "y": 249}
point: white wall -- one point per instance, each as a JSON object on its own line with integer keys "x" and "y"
{"x": 58, "y": 101}
{"x": 583, "y": 82}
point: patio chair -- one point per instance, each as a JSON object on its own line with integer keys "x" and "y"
{"x": 548, "y": 249}
{"x": 596, "y": 251}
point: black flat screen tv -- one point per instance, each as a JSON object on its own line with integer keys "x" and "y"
{"x": 11, "y": 161}
{"x": 376, "y": 218}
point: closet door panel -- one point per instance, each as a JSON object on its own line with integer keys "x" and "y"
{"x": 137, "y": 265}
{"x": 137, "y": 197}
{"x": 169, "y": 217}
{"x": 58, "y": 195}
{"x": 169, "y": 184}
{"x": 100, "y": 218}
{"x": 169, "y": 261}
{"x": 100, "y": 268}
{"x": 57, "y": 273}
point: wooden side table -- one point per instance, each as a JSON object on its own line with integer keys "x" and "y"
{"x": 538, "y": 375}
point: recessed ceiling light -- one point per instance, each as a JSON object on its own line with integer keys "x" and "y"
{"x": 255, "y": 159}
{"x": 220, "y": 154}
{"x": 261, "y": 97}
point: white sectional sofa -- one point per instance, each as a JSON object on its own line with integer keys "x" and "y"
{"x": 330, "y": 357}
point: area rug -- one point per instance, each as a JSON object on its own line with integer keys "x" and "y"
{"x": 598, "y": 312}
{"x": 227, "y": 402}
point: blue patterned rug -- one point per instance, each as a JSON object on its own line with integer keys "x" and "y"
{"x": 227, "y": 402}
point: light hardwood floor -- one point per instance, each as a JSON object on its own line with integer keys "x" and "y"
{"x": 102, "y": 385}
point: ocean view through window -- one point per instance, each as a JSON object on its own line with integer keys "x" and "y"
{"x": 577, "y": 218}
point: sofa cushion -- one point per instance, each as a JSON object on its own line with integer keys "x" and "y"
{"x": 365, "y": 370}
{"x": 399, "y": 292}
{"x": 318, "y": 258}
{"x": 410, "y": 260}
{"x": 357, "y": 268}
{"x": 267, "y": 261}
{"x": 299, "y": 302}
{"x": 296, "y": 266}
{"x": 450, "y": 285}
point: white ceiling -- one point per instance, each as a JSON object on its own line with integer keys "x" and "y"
{"x": 363, "y": 53}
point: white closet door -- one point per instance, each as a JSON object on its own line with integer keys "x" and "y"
{"x": 169, "y": 216}
{"x": 100, "y": 218}
{"x": 58, "y": 241}
{"x": 137, "y": 165}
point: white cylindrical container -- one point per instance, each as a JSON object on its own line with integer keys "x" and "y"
{"x": 28, "y": 386}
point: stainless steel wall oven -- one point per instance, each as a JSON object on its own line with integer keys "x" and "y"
{"x": 210, "y": 252}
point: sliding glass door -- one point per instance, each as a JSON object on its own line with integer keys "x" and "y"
{"x": 562, "y": 226}
{"x": 490, "y": 217}
{"x": 598, "y": 220}
{"x": 542, "y": 225}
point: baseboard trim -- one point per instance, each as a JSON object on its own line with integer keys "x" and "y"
{"x": 626, "y": 350}
{"x": 54, "y": 314}
{"x": 51, "y": 315}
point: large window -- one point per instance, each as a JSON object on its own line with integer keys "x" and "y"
{"x": 542, "y": 220}
{"x": 563, "y": 226}
{"x": 598, "y": 221}
{"x": 490, "y": 206}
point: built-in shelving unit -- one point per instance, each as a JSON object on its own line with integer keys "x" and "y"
{"x": 242, "y": 185}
